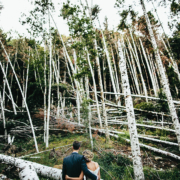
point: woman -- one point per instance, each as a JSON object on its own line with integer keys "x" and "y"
{"x": 91, "y": 165}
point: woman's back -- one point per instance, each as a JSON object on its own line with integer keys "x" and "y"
{"x": 93, "y": 167}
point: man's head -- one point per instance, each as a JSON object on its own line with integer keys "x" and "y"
{"x": 76, "y": 145}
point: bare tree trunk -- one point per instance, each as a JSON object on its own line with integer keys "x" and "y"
{"x": 42, "y": 170}
{"x": 45, "y": 92}
{"x": 50, "y": 81}
{"x": 30, "y": 120}
{"x": 104, "y": 76}
{"x": 10, "y": 93}
{"x": 95, "y": 90}
{"x": 3, "y": 115}
{"x": 138, "y": 64}
{"x": 163, "y": 77}
{"x": 27, "y": 75}
{"x": 89, "y": 112}
{"x": 134, "y": 70}
{"x": 134, "y": 80}
{"x": 137, "y": 162}
{"x": 58, "y": 94}
{"x": 115, "y": 71}
{"x": 111, "y": 71}
{"x": 149, "y": 70}
{"x": 101, "y": 90}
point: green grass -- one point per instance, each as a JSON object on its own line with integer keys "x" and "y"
{"x": 112, "y": 166}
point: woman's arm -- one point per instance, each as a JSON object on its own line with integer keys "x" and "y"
{"x": 99, "y": 175}
{"x": 73, "y": 178}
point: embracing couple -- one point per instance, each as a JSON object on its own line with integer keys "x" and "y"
{"x": 78, "y": 167}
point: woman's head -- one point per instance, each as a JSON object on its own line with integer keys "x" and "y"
{"x": 88, "y": 155}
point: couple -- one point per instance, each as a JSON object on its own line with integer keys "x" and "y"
{"x": 78, "y": 167}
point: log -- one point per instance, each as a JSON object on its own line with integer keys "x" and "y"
{"x": 44, "y": 151}
{"x": 27, "y": 172}
{"x": 148, "y": 147}
{"x": 42, "y": 170}
{"x": 157, "y": 140}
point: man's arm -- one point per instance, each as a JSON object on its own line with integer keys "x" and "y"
{"x": 86, "y": 171}
{"x": 73, "y": 178}
{"x": 63, "y": 171}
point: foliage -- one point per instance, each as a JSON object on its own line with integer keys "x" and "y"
{"x": 37, "y": 17}
{"x": 85, "y": 110}
{"x": 174, "y": 82}
{"x": 81, "y": 29}
{"x": 162, "y": 105}
{"x": 115, "y": 165}
{"x": 175, "y": 42}
{"x": 175, "y": 7}
{"x": 145, "y": 106}
{"x": 1, "y": 7}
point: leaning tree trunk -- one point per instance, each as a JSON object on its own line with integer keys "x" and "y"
{"x": 134, "y": 70}
{"x": 149, "y": 70}
{"x": 163, "y": 77}
{"x": 101, "y": 90}
{"x": 29, "y": 116}
{"x": 138, "y": 64}
{"x": 95, "y": 90}
{"x": 49, "y": 91}
{"x": 89, "y": 108}
{"x": 10, "y": 93}
{"x": 137, "y": 162}
{"x": 45, "y": 92}
{"x": 134, "y": 80}
{"x": 111, "y": 71}
{"x": 3, "y": 115}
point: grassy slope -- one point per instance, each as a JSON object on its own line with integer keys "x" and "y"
{"x": 107, "y": 154}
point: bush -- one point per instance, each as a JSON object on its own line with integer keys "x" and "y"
{"x": 112, "y": 165}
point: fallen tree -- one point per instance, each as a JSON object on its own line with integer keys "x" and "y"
{"x": 42, "y": 170}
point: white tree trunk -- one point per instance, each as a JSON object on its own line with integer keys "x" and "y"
{"x": 137, "y": 162}
{"x": 27, "y": 75}
{"x": 101, "y": 90}
{"x": 110, "y": 66}
{"x": 95, "y": 90}
{"x": 3, "y": 115}
{"x": 134, "y": 70}
{"x": 89, "y": 112}
{"x": 50, "y": 81}
{"x": 138, "y": 64}
{"x": 134, "y": 77}
{"x": 27, "y": 172}
{"x": 44, "y": 171}
{"x": 163, "y": 77}
{"x": 45, "y": 92}
{"x": 30, "y": 120}
{"x": 149, "y": 70}
{"x": 115, "y": 71}
{"x": 10, "y": 93}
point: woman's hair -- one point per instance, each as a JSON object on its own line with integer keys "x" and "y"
{"x": 88, "y": 155}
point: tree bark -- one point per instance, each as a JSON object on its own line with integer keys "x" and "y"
{"x": 163, "y": 77}
{"x": 44, "y": 171}
{"x": 137, "y": 162}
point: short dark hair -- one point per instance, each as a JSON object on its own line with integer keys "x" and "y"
{"x": 76, "y": 145}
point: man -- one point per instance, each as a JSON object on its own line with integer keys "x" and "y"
{"x": 75, "y": 163}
